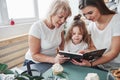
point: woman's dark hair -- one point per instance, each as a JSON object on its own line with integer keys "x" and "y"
{"x": 99, "y": 4}
{"x": 78, "y": 22}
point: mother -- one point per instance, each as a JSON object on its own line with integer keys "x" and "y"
{"x": 105, "y": 33}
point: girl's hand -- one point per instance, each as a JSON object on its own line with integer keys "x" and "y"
{"x": 83, "y": 63}
{"x": 82, "y": 51}
{"x": 60, "y": 59}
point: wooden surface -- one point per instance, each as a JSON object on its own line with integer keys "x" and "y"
{"x": 12, "y": 50}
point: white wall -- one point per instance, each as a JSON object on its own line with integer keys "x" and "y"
{"x": 75, "y": 10}
{"x": 11, "y": 31}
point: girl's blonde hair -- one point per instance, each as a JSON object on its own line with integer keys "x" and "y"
{"x": 78, "y": 22}
{"x": 59, "y": 6}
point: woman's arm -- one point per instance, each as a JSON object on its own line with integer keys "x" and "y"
{"x": 35, "y": 48}
{"x": 111, "y": 54}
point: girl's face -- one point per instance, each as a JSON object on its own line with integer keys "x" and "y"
{"x": 91, "y": 13}
{"x": 76, "y": 35}
{"x": 59, "y": 19}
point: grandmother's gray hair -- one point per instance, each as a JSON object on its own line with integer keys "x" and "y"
{"x": 59, "y": 6}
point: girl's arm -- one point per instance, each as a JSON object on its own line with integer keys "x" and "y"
{"x": 91, "y": 45}
{"x": 61, "y": 47}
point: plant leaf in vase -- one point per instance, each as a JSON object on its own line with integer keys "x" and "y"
{"x": 4, "y": 69}
{"x": 26, "y": 76}
{"x": 63, "y": 75}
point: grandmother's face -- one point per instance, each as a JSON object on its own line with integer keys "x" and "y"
{"x": 59, "y": 18}
{"x": 91, "y": 13}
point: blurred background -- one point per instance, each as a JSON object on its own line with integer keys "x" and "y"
{"x": 16, "y": 16}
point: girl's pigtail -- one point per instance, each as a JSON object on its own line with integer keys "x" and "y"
{"x": 78, "y": 17}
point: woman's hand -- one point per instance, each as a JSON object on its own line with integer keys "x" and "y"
{"x": 82, "y": 63}
{"x": 60, "y": 59}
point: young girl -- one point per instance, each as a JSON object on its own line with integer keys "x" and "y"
{"x": 77, "y": 37}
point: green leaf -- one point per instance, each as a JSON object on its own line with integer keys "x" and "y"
{"x": 7, "y": 71}
{"x": 16, "y": 73}
{"x": 3, "y": 67}
{"x": 63, "y": 74}
{"x": 37, "y": 78}
{"x": 26, "y": 76}
{"x": 21, "y": 78}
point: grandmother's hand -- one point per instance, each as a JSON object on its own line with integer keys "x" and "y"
{"x": 60, "y": 59}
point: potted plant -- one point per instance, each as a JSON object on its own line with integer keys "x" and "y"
{"x": 26, "y": 75}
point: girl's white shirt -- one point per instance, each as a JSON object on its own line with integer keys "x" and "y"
{"x": 70, "y": 47}
{"x": 103, "y": 38}
{"x": 50, "y": 38}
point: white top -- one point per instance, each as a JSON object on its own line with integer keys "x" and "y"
{"x": 103, "y": 38}
{"x": 50, "y": 38}
{"x": 70, "y": 47}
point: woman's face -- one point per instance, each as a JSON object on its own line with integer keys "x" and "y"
{"x": 76, "y": 35}
{"x": 91, "y": 13}
{"x": 59, "y": 19}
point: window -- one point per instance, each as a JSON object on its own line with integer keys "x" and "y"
{"x": 43, "y": 6}
{"x": 21, "y": 11}
{"x": 24, "y": 11}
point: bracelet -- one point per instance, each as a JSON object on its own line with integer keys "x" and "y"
{"x": 91, "y": 64}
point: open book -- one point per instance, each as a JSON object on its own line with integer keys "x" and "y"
{"x": 92, "y": 55}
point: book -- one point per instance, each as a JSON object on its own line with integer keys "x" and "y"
{"x": 92, "y": 55}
